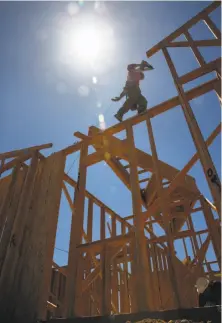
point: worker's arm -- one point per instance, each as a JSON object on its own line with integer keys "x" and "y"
{"x": 118, "y": 98}
{"x": 143, "y": 66}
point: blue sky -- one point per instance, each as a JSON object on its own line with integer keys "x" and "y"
{"x": 45, "y": 97}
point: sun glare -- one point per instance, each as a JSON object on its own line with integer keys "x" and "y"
{"x": 87, "y": 42}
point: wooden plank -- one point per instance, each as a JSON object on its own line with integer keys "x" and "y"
{"x": 73, "y": 183}
{"x": 23, "y": 151}
{"x": 96, "y": 246}
{"x": 214, "y": 229}
{"x": 186, "y": 26}
{"x": 76, "y": 234}
{"x": 183, "y": 172}
{"x": 1, "y": 165}
{"x": 14, "y": 162}
{"x": 213, "y": 28}
{"x": 91, "y": 278}
{"x": 141, "y": 283}
{"x": 90, "y": 220}
{"x": 201, "y": 71}
{"x": 113, "y": 221}
{"x": 4, "y": 191}
{"x": 196, "y": 43}
{"x": 106, "y": 285}
{"x": 102, "y": 224}
{"x": 126, "y": 307}
{"x": 175, "y": 102}
{"x": 165, "y": 212}
{"x": 66, "y": 192}
{"x": 14, "y": 256}
{"x": 197, "y": 136}
{"x": 55, "y": 164}
{"x": 118, "y": 148}
{"x": 152, "y": 112}
{"x": 114, "y": 285}
{"x": 9, "y": 208}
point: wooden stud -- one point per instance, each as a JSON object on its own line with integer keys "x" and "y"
{"x": 106, "y": 286}
{"x": 141, "y": 283}
{"x": 214, "y": 229}
{"x": 90, "y": 220}
{"x": 76, "y": 234}
{"x": 194, "y": 48}
{"x": 165, "y": 212}
{"x": 211, "y": 25}
{"x": 205, "y": 158}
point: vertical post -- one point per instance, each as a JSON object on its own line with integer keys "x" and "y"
{"x": 166, "y": 213}
{"x": 113, "y": 226}
{"x": 213, "y": 230}
{"x": 114, "y": 269}
{"x": 193, "y": 237}
{"x": 90, "y": 220}
{"x": 185, "y": 247}
{"x": 201, "y": 147}
{"x": 125, "y": 274}
{"x": 1, "y": 166}
{"x": 106, "y": 286}
{"x": 76, "y": 233}
{"x": 140, "y": 261}
{"x": 88, "y": 265}
{"x": 102, "y": 224}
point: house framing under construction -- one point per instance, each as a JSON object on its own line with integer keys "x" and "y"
{"x": 136, "y": 270}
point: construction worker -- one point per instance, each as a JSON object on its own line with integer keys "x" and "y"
{"x": 209, "y": 292}
{"x": 134, "y": 99}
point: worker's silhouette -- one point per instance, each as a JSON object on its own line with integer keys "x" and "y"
{"x": 134, "y": 99}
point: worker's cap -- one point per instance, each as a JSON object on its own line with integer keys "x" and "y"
{"x": 201, "y": 284}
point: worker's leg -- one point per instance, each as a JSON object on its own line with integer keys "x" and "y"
{"x": 142, "y": 104}
{"x": 125, "y": 108}
{"x": 133, "y": 94}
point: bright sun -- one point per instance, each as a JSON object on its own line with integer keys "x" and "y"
{"x": 87, "y": 43}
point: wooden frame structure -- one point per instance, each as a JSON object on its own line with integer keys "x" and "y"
{"x": 136, "y": 270}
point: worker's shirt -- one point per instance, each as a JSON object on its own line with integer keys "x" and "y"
{"x": 134, "y": 76}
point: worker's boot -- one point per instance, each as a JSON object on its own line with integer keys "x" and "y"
{"x": 120, "y": 113}
{"x": 118, "y": 117}
{"x": 141, "y": 109}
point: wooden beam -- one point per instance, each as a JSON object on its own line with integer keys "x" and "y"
{"x": 201, "y": 71}
{"x": 106, "y": 282}
{"x": 140, "y": 262}
{"x": 76, "y": 234}
{"x": 201, "y": 15}
{"x": 201, "y": 147}
{"x": 118, "y": 147}
{"x": 214, "y": 229}
{"x": 96, "y": 246}
{"x": 211, "y": 25}
{"x": 165, "y": 211}
{"x": 18, "y": 153}
{"x": 90, "y": 220}
{"x": 181, "y": 175}
{"x": 175, "y": 102}
{"x": 196, "y": 43}
{"x": 178, "y": 235}
{"x": 73, "y": 183}
{"x": 14, "y": 162}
